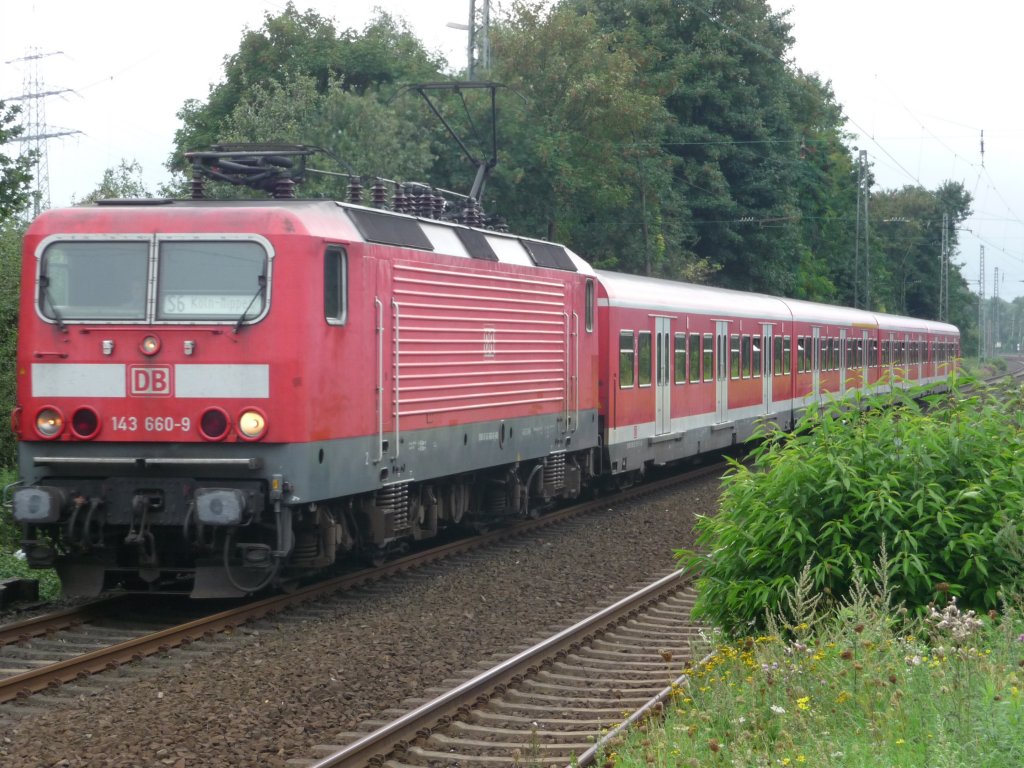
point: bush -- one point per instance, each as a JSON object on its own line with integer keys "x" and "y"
{"x": 939, "y": 485}
{"x": 10, "y": 534}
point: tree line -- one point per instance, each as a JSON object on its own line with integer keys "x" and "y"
{"x": 660, "y": 137}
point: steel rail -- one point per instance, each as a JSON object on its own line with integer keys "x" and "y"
{"x": 68, "y": 670}
{"x": 372, "y": 748}
{"x": 26, "y": 629}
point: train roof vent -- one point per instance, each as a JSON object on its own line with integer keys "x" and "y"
{"x": 548, "y": 255}
{"x": 135, "y": 201}
{"x": 388, "y": 229}
{"x": 476, "y": 244}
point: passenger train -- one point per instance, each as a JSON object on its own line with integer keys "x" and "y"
{"x": 215, "y": 397}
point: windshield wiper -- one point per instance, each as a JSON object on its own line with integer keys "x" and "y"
{"x": 259, "y": 292}
{"x": 44, "y": 283}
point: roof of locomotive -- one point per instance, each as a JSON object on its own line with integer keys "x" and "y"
{"x": 325, "y": 218}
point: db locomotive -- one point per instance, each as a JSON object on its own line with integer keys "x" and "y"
{"x": 215, "y": 397}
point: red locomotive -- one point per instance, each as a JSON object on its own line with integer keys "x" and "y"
{"x": 219, "y": 396}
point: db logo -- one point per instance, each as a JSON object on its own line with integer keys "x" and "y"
{"x": 149, "y": 380}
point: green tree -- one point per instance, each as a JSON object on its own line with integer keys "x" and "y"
{"x": 15, "y": 178}
{"x": 294, "y": 44}
{"x": 906, "y": 246}
{"x": 581, "y": 158}
{"x": 124, "y": 181}
{"x": 367, "y": 136}
{"x": 11, "y": 231}
{"x": 15, "y": 172}
{"x": 720, "y": 69}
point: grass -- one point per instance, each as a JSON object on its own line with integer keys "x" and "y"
{"x": 863, "y": 686}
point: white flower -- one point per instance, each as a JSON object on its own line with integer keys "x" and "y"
{"x": 777, "y": 709}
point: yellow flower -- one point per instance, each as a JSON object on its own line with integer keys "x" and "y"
{"x": 803, "y": 703}
{"x": 801, "y": 759}
{"x": 900, "y": 741}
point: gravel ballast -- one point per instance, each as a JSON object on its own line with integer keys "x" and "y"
{"x": 274, "y": 689}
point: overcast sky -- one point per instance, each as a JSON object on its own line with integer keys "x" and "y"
{"x": 919, "y": 81}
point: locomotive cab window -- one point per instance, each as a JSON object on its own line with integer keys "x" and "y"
{"x": 94, "y": 280}
{"x": 211, "y": 280}
{"x": 589, "y": 310}
{"x": 335, "y": 286}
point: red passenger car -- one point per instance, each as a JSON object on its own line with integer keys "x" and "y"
{"x": 687, "y": 369}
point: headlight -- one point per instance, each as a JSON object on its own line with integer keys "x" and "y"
{"x": 49, "y": 422}
{"x": 252, "y": 424}
{"x": 220, "y": 506}
{"x": 150, "y": 345}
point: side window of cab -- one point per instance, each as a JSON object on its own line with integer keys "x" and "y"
{"x": 335, "y": 286}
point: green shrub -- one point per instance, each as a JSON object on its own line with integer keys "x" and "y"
{"x": 940, "y": 484}
{"x": 10, "y": 534}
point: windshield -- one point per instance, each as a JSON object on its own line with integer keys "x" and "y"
{"x": 95, "y": 280}
{"x": 211, "y": 280}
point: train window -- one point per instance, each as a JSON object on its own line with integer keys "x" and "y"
{"x": 755, "y": 360}
{"x": 643, "y": 358}
{"x": 589, "y": 309}
{"x": 335, "y": 286}
{"x": 777, "y": 353}
{"x": 709, "y": 357}
{"x": 734, "y": 356}
{"x": 799, "y": 354}
{"x": 787, "y": 355}
{"x": 211, "y": 280}
{"x": 694, "y": 357}
{"x": 679, "y": 367}
{"x": 626, "y": 359}
{"x": 745, "y": 356}
{"x": 94, "y": 280}
{"x": 874, "y": 353}
{"x": 825, "y": 356}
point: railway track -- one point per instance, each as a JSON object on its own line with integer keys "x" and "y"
{"x": 49, "y": 651}
{"x": 557, "y": 701}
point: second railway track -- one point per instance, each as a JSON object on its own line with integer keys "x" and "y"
{"x": 547, "y": 705}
